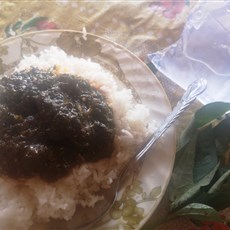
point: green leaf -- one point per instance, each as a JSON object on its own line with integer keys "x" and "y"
{"x": 225, "y": 178}
{"x": 197, "y": 155}
{"x": 193, "y": 190}
{"x": 182, "y": 177}
{"x": 202, "y": 117}
{"x": 218, "y": 195}
{"x": 210, "y": 112}
{"x": 198, "y": 211}
{"x": 219, "y": 200}
{"x": 222, "y": 134}
{"x": 32, "y": 23}
{"x": 195, "y": 211}
{"x": 189, "y": 132}
{"x": 206, "y": 154}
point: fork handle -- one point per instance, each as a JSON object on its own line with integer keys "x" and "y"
{"x": 193, "y": 90}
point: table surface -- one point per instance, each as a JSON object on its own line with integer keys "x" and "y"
{"x": 143, "y": 27}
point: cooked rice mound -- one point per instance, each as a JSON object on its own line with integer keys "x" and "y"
{"x": 24, "y": 201}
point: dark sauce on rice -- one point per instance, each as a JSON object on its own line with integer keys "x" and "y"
{"x": 51, "y": 123}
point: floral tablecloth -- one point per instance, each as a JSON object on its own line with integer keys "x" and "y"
{"x": 142, "y": 27}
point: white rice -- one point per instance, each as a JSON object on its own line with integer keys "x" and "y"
{"x": 21, "y": 203}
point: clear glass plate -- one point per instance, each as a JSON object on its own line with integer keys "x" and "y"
{"x": 148, "y": 182}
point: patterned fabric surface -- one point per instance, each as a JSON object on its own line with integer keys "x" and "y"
{"x": 142, "y": 27}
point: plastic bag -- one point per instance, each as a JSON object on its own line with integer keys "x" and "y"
{"x": 203, "y": 50}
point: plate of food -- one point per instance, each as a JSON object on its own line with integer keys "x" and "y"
{"x": 74, "y": 109}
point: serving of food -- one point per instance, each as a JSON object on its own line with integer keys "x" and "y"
{"x": 68, "y": 125}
